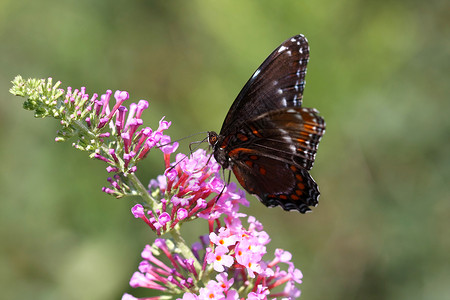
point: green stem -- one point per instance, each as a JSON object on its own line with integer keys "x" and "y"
{"x": 83, "y": 128}
{"x": 142, "y": 192}
{"x": 184, "y": 249}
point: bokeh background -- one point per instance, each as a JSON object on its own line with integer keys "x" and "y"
{"x": 378, "y": 73}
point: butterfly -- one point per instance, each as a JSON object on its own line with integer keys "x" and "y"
{"x": 268, "y": 139}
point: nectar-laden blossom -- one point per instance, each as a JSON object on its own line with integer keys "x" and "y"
{"x": 232, "y": 255}
{"x": 219, "y": 258}
{"x": 188, "y": 189}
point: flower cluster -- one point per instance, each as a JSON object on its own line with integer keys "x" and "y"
{"x": 128, "y": 142}
{"x": 227, "y": 263}
{"x": 234, "y": 255}
{"x": 183, "y": 190}
{"x": 108, "y": 131}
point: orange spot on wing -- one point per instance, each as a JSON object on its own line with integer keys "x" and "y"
{"x": 262, "y": 171}
{"x": 294, "y": 197}
{"x": 242, "y": 137}
{"x": 236, "y": 151}
{"x": 255, "y": 131}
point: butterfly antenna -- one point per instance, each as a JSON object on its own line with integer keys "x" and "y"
{"x": 190, "y": 148}
{"x": 192, "y": 151}
{"x": 198, "y": 143}
{"x": 183, "y": 138}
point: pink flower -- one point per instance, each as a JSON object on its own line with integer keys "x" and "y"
{"x": 163, "y": 125}
{"x": 211, "y": 291}
{"x": 223, "y": 281}
{"x": 128, "y": 297}
{"x": 219, "y": 258}
{"x": 138, "y": 211}
{"x": 225, "y": 238}
{"x": 166, "y": 146}
{"x": 251, "y": 263}
{"x": 189, "y": 296}
{"x": 260, "y": 294}
{"x": 232, "y": 295}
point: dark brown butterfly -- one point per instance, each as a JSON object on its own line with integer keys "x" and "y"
{"x": 268, "y": 139}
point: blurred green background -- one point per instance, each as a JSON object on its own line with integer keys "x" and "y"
{"x": 378, "y": 73}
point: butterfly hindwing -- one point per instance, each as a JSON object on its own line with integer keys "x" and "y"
{"x": 274, "y": 182}
{"x": 271, "y": 155}
{"x": 290, "y": 134}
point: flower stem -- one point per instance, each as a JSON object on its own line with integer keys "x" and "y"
{"x": 142, "y": 191}
{"x": 83, "y": 128}
{"x": 185, "y": 250}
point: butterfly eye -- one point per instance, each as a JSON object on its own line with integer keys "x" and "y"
{"x": 212, "y": 138}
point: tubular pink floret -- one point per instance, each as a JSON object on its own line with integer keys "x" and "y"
{"x": 105, "y": 102}
{"x": 121, "y": 96}
{"x": 163, "y": 125}
{"x": 144, "y": 134}
{"x": 98, "y": 156}
{"x": 110, "y": 169}
{"x": 131, "y": 113}
{"x": 120, "y": 118}
{"x": 141, "y": 106}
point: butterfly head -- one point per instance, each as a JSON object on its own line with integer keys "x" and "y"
{"x": 220, "y": 155}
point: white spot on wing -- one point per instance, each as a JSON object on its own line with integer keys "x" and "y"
{"x": 292, "y": 147}
{"x": 287, "y": 138}
{"x": 284, "y": 102}
{"x": 282, "y": 48}
{"x": 280, "y": 91}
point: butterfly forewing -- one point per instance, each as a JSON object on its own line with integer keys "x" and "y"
{"x": 277, "y": 83}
